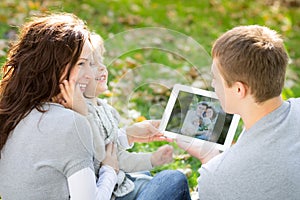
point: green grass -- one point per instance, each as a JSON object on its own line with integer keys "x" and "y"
{"x": 139, "y": 70}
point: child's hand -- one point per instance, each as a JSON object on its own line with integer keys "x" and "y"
{"x": 72, "y": 97}
{"x": 163, "y": 155}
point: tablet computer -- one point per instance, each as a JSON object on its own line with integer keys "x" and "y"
{"x": 196, "y": 114}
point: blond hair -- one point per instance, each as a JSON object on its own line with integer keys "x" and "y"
{"x": 98, "y": 46}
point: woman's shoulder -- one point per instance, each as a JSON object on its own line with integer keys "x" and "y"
{"x": 59, "y": 112}
{"x": 61, "y": 118}
{"x": 68, "y": 123}
{"x": 56, "y": 126}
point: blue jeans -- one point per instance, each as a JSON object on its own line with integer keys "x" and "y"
{"x": 166, "y": 185}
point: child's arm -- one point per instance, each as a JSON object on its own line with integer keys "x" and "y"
{"x": 72, "y": 97}
{"x": 82, "y": 183}
{"x": 134, "y": 162}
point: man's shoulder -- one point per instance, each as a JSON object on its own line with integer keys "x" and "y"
{"x": 294, "y": 107}
{"x": 295, "y": 101}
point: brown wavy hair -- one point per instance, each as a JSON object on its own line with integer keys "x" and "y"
{"x": 46, "y": 50}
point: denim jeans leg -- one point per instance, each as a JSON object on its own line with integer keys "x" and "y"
{"x": 166, "y": 185}
{"x": 140, "y": 180}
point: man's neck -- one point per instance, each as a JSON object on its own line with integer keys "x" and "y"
{"x": 256, "y": 111}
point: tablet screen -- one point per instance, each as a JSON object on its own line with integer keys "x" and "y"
{"x": 200, "y": 117}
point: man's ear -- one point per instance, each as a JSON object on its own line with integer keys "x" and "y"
{"x": 240, "y": 89}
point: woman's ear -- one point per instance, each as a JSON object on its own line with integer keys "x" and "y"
{"x": 240, "y": 89}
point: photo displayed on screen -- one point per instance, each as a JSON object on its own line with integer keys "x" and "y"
{"x": 199, "y": 117}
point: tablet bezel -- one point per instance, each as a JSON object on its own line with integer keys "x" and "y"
{"x": 196, "y": 91}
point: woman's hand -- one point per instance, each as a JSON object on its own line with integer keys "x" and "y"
{"x": 145, "y": 131}
{"x": 72, "y": 97}
{"x": 111, "y": 158}
{"x": 162, "y": 156}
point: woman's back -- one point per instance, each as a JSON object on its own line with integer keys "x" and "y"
{"x": 42, "y": 151}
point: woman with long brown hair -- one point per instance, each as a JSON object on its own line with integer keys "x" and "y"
{"x": 46, "y": 149}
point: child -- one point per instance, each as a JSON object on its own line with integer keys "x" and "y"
{"x": 104, "y": 121}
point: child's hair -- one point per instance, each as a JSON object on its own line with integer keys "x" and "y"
{"x": 255, "y": 56}
{"x": 47, "y": 49}
{"x": 98, "y": 45}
